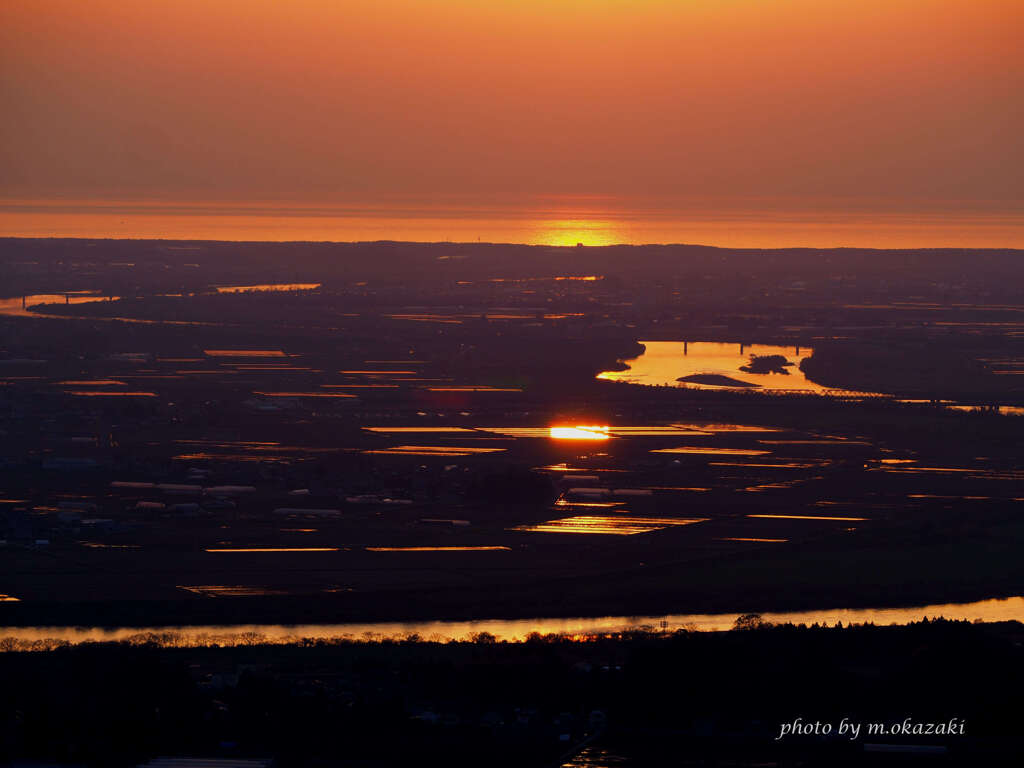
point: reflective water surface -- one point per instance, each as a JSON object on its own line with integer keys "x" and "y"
{"x": 568, "y": 223}
{"x": 19, "y": 305}
{"x": 714, "y": 365}
{"x": 512, "y": 630}
{"x": 268, "y": 287}
{"x": 620, "y": 525}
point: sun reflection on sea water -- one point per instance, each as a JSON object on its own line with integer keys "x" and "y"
{"x": 562, "y": 232}
{"x": 566, "y": 223}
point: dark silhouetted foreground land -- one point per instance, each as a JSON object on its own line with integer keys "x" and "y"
{"x": 697, "y": 697}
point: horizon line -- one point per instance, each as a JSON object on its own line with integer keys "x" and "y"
{"x": 577, "y": 246}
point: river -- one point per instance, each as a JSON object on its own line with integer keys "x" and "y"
{"x": 511, "y": 630}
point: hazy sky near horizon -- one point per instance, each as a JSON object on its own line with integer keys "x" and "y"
{"x": 904, "y": 102}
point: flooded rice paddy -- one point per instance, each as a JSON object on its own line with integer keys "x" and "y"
{"x": 267, "y": 287}
{"x": 619, "y": 525}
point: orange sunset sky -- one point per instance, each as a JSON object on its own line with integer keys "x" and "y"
{"x": 894, "y": 104}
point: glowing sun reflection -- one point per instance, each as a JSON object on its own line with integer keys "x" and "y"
{"x": 579, "y": 433}
{"x": 564, "y": 232}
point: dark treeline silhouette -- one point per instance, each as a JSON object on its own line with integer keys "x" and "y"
{"x": 692, "y": 695}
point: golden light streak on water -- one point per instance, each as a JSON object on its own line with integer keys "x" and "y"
{"x": 427, "y": 450}
{"x": 505, "y": 630}
{"x": 268, "y": 287}
{"x": 579, "y": 433}
{"x": 607, "y": 524}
